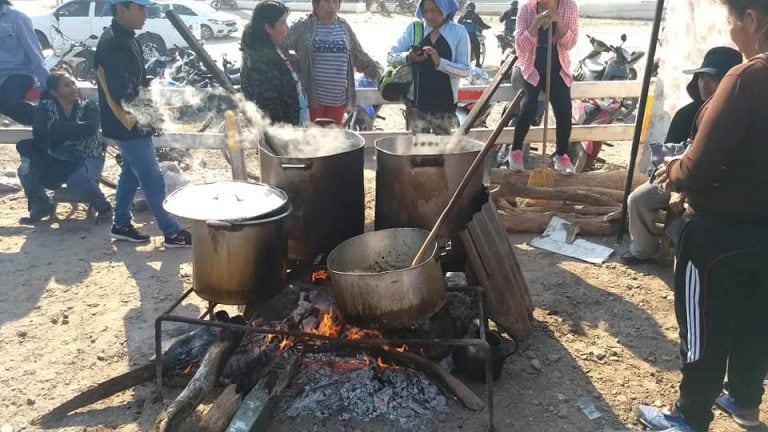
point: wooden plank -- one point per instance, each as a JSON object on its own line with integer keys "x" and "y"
{"x": 614, "y": 179}
{"x": 220, "y": 414}
{"x": 506, "y": 308}
{"x": 500, "y": 235}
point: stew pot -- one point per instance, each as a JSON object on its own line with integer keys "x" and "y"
{"x": 375, "y": 285}
{"x": 238, "y": 239}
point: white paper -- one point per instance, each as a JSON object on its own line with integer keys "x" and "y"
{"x": 554, "y": 240}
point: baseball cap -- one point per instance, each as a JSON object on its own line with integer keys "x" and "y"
{"x": 140, "y": 2}
{"x": 718, "y": 61}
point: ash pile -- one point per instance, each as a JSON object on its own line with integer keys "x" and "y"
{"x": 363, "y": 388}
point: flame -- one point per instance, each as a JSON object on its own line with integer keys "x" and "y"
{"x": 320, "y": 275}
{"x": 327, "y": 325}
{"x": 284, "y": 345}
{"x": 355, "y": 333}
{"x": 380, "y": 363}
{"x": 402, "y": 348}
{"x": 189, "y": 368}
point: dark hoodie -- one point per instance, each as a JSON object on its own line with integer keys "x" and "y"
{"x": 682, "y": 126}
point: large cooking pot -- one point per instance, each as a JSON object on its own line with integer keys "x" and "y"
{"x": 375, "y": 285}
{"x": 238, "y": 239}
{"x": 416, "y": 176}
{"x": 321, "y": 170}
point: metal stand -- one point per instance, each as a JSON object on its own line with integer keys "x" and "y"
{"x": 481, "y": 343}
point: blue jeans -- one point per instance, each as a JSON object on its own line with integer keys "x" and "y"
{"x": 139, "y": 167}
{"x": 84, "y": 182}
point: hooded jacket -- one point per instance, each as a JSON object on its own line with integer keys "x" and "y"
{"x": 682, "y": 126}
{"x": 456, "y": 36}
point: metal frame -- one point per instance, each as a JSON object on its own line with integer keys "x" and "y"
{"x": 481, "y": 343}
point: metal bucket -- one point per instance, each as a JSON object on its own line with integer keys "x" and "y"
{"x": 326, "y": 190}
{"x": 416, "y": 177}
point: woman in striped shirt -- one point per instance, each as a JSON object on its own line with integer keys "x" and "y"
{"x": 327, "y": 52}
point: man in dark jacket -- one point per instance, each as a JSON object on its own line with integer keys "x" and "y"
{"x": 120, "y": 72}
{"x": 645, "y": 202}
{"x": 509, "y": 18}
{"x": 474, "y": 25}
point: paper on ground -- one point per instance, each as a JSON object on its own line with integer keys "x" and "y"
{"x": 554, "y": 239}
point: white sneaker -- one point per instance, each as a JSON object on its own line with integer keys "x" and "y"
{"x": 516, "y": 160}
{"x": 563, "y": 165}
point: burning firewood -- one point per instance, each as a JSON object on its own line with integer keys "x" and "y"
{"x": 201, "y": 383}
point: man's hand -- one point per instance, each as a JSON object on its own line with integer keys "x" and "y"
{"x": 661, "y": 177}
{"x": 677, "y": 202}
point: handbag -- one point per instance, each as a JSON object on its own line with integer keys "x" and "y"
{"x": 396, "y": 80}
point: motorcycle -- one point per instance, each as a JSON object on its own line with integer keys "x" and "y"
{"x": 362, "y": 117}
{"x": 506, "y": 42}
{"x": 225, "y": 4}
{"x": 618, "y": 67}
{"x": 77, "y": 59}
{"x": 405, "y": 7}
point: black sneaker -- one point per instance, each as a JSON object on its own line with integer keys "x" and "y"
{"x": 182, "y": 239}
{"x": 129, "y": 233}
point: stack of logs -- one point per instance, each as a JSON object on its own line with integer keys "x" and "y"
{"x": 590, "y": 200}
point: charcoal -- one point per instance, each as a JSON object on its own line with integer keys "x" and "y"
{"x": 403, "y": 396}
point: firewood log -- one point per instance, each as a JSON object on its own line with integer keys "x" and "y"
{"x": 220, "y": 414}
{"x": 200, "y": 384}
{"x": 615, "y": 179}
{"x": 537, "y": 222}
{"x": 556, "y": 194}
{"x": 584, "y": 210}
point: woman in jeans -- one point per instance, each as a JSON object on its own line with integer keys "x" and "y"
{"x": 439, "y": 62}
{"x": 531, "y": 45}
{"x": 267, "y": 78}
{"x": 66, "y": 148}
{"x": 327, "y": 52}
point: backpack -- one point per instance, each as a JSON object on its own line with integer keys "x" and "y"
{"x": 396, "y": 80}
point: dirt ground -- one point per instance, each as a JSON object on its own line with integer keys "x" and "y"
{"x": 78, "y": 309}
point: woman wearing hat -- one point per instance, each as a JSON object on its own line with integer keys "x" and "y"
{"x": 646, "y": 201}
{"x": 439, "y": 62}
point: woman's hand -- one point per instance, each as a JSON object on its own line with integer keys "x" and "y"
{"x": 432, "y": 53}
{"x": 417, "y": 56}
{"x": 661, "y": 177}
{"x": 677, "y": 202}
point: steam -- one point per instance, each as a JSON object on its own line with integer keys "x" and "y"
{"x": 173, "y": 109}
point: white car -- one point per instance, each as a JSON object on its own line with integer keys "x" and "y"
{"x": 77, "y": 20}
{"x": 212, "y": 23}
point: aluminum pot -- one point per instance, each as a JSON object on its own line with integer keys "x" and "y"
{"x": 324, "y": 183}
{"x": 239, "y": 262}
{"x": 375, "y": 285}
{"x": 416, "y": 177}
{"x": 238, "y": 239}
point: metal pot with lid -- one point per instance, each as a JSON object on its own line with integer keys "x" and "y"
{"x": 238, "y": 239}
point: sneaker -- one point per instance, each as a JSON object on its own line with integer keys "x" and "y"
{"x": 744, "y": 417}
{"x": 182, "y": 239}
{"x": 128, "y": 233}
{"x": 563, "y": 165}
{"x": 656, "y": 419}
{"x": 628, "y": 259}
{"x": 516, "y": 160}
{"x": 37, "y": 215}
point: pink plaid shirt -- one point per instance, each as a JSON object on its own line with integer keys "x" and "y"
{"x": 525, "y": 43}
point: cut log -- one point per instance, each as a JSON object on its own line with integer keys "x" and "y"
{"x": 556, "y": 194}
{"x": 256, "y": 411}
{"x": 584, "y": 210}
{"x": 608, "y": 193}
{"x": 452, "y": 384}
{"x": 220, "y": 414}
{"x": 537, "y": 222}
{"x": 614, "y": 179}
{"x": 182, "y": 351}
{"x": 200, "y": 384}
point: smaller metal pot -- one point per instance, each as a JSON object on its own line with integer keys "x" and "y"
{"x": 375, "y": 285}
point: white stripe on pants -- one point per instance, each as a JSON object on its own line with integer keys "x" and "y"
{"x": 692, "y": 312}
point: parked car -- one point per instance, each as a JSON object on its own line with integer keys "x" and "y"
{"x": 212, "y": 23}
{"x": 78, "y": 19}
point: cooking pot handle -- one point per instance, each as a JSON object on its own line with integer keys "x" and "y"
{"x": 218, "y": 224}
{"x": 301, "y": 166}
{"x": 427, "y": 161}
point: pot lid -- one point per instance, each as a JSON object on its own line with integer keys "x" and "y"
{"x": 225, "y": 201}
